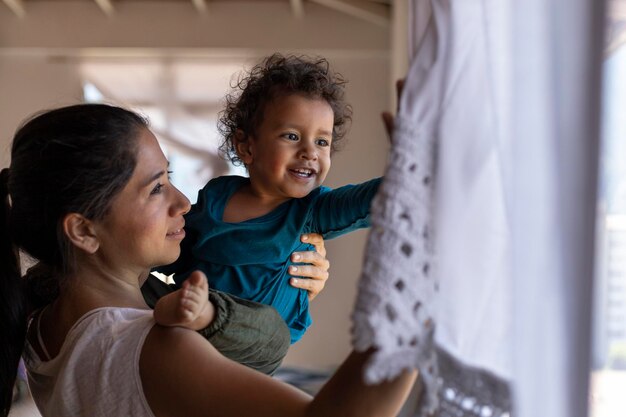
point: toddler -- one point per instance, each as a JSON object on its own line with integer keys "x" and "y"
{"x": 287, "y": 118}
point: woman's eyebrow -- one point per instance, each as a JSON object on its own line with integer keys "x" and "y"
{"x": 156, "y": 176}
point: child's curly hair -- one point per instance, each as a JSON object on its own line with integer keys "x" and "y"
{"x": 278, "y": 75}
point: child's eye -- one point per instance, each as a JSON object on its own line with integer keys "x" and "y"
{"x": 291, "y": 136}
{"x": 322, "y": 142}
{"x": 157, "y": 189}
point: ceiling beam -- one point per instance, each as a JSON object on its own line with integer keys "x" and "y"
{"x": 375, "y": 13}
{"x": 297, "y": 8}
{"x": 106, "y": 6}
{"x": 200, "y": 5}
{"x": 16, "y": 6}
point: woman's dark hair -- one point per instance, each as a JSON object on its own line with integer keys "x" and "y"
{"x": 276, "y": 76}
{"x": 69, "y": 160}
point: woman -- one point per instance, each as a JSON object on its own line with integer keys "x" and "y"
{"x": 88, "y": 195}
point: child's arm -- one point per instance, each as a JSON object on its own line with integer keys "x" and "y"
{"x": 187, "y": 307}
{"x": 344, "y": 209}
{"x": 347, "y": 208}
{"x": 352, "y": 203}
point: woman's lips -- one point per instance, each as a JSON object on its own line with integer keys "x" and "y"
{"x": 177, "y": 234}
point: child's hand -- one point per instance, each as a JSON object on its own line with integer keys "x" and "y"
{"x": 310, "y": 277}
{"x": 187, "y": 307}
{"x": 387, "y": 116}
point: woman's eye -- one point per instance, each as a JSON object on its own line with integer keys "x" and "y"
{"x": 322, "y": 142}
{"x": 157, "y": 189}
{"x": 291, "y": 136}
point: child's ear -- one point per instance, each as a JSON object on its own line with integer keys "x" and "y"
{"x": 80, "y": 232}
{"x": 243, "y": 146}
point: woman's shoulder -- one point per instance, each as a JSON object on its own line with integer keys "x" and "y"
{"x": 113, "y": 320}
{"x": 175, "y": 342}
{"x": 91, "y": 330}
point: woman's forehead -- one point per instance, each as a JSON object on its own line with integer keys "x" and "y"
{"x": 151, "y": 162}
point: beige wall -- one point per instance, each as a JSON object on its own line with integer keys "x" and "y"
{"x": 32, "y": 79}
{"x": 29, "y": 84}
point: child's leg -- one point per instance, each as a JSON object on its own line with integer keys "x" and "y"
{"x": 250, "y": 333}
{"x": 187, "y": 307}
{"x": 244, "y": 331}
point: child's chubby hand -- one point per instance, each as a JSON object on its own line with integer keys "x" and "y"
{"x": 188, "y": 306}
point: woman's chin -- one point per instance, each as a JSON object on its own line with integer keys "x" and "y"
{"x": 170, "y": 258}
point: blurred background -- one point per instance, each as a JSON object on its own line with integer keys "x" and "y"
{"x": 174, "y": 60}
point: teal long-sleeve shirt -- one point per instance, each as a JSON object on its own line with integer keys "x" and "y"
{"x": 250, "y": 259}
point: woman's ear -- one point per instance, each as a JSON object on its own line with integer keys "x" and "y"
{"x": 243, "y": 146}
{"x": 80, "y": 232}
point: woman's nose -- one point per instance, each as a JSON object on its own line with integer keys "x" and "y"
{"x": 181, "y": 205}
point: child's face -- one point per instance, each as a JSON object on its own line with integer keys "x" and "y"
{"x": 289, "y": 155}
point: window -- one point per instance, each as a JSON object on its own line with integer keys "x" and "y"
{"x": 609, "y": 353}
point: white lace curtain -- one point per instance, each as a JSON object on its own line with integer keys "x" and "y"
{"x": 479, "y": 263}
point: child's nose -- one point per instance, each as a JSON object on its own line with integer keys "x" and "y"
{"x": 308, "y": 151}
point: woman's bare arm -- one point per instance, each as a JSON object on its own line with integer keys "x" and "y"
{"x": 182, "y": 374}
{"x": 346, "y": 395}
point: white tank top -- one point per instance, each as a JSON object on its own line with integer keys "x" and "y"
{"x": 96, "y": 373}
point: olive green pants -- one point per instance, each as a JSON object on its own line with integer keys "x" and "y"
{"x": 250, "y": 333}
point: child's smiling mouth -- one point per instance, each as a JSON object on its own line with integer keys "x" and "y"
{"x": 303, "y": 172}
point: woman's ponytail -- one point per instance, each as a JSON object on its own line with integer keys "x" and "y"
{"x": 69, "y": 160}
{"x": 12, "y": 302}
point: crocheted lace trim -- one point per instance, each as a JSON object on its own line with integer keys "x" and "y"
{"x": 464, "y": 391}
{"x": 398, "y": 286}
{"x": 393, "y": 308}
